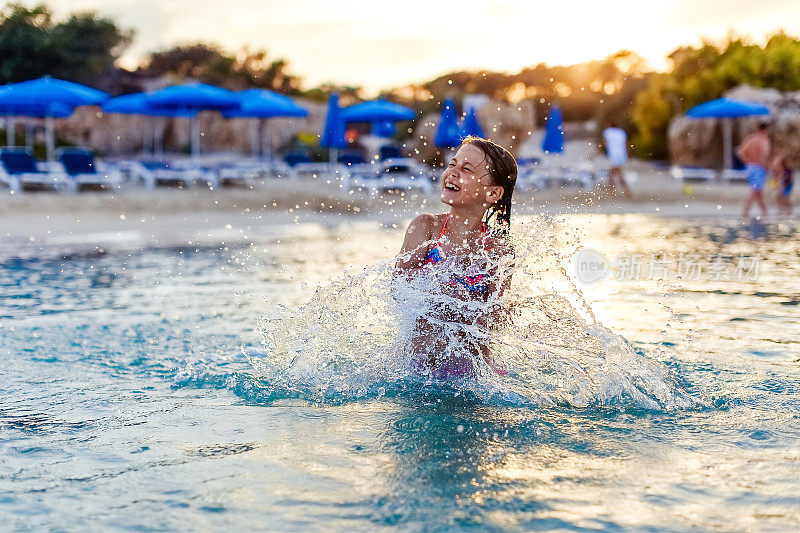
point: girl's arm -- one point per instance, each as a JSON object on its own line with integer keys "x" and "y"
{"x": 415, "y": 245}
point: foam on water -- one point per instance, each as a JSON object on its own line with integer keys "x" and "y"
{"x": 352, "y": 340}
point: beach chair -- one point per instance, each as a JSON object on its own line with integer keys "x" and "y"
{"x": 364, "y": 178}
{"x": 153, "y": 172}
{"x": 350, "y": 159}
{"x": 295, "y": 158}
{"x": 551, "y": 172}
{"x": 731, "y": 175}
{"x": 529, "y": 175}
{"x": 244, "y": 171}
{"x": 80, "y": 165}
{"x": 403, "y": 174}
{"x": 584, "y": 175}
{"x": 18, "y": 168}
{"x": 683, "y": 174}
{"x": 301, "y": 164}
{"x": 389, "y": 151}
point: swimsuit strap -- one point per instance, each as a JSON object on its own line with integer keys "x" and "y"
{"x": 484, "y": 228}
{"x": 444, "y": 226}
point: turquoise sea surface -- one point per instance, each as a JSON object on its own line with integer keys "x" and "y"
{"x": 249, "y": 382}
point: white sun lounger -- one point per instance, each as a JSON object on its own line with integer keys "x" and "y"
{"x": 682, "y": 174}
{"x": 158, "y": 171}
{"x": 82, "y": 168}
{"x": 18, "y": 168}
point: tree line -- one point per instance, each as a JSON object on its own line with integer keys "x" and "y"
{"x": 85, "y": 48}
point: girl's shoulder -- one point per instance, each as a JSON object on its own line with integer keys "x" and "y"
{"x": 426, "y": 224}
{"x": 422, "y": 229}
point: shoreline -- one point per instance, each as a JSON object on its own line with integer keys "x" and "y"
{"x": 171, "y": 214}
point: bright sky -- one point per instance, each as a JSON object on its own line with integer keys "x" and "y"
{"x": 378, "y": 44}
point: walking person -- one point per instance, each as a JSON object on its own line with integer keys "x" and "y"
{"x": 784, "y": 182}
{"x": 753, "y": 152}
{"x": 617, "y": 150}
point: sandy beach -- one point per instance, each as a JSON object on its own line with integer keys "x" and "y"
{"x": 175, "y": 215}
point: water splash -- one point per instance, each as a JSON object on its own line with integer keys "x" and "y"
{"x": 361, "y": 334}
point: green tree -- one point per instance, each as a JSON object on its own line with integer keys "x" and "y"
{"x": 26, "y": 50}
{"x": 700, "y": 74}
{"x": 209, "y": 64}
{"x": 88, "y": 46}
{"x": 82, "y": 48}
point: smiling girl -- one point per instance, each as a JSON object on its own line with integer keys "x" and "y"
{"x": 467, "y": 253}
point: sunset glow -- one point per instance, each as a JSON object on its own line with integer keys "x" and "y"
{"x": 375, "y": 45}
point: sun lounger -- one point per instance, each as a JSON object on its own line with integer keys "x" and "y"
{"x": 81, "y": 167}
{"x": 389, "y": 151}
{"x": 300, "y": 164}
{"x": 244, "y": 171}
{"x": 295, "y": 158}
{"x": 351, "y": 159}
{"x": 153, "y": 172}
{"x": 398, "y": 174}
{"x": 738, "y": 176}
{"x": 529, "y": 175}
{"x": 18, "y": 168}
{"x": 536, "y": 174}
{"x": 692, "y": 174}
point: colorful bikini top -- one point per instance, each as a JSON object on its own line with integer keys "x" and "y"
{"x": 474, "y": 283}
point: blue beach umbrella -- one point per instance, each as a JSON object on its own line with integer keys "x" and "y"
{"x": 196, "y": 96}
{"x": 44, "y": 92}
{"x": 383, "y": 128}
{"x": 553, "y": 142}
{"x": 379, "y": 110}
{"x": 726, "y": 109}
{"x": 471, "y": 125}
{"x": 260, "y": 103}
{"x": 38, "y": 111}
{"x": 138, "y": 104}
{"x": 448, "y": 135}
{"x": 333, "y": 135}
{"x": 263, "y": 104}
{"x": 49, "y": 90}
{"x": 32, "y": 111}
{"x": 193, "y": 97}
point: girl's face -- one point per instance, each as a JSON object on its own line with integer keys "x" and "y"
{"x": 467, "y": 181}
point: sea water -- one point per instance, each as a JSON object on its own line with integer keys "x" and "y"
{"x": 263, "y": 382}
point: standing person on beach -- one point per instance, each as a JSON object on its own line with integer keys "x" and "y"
{"x": 753, "y": 152}
{"x": 463, "y": 259}
{"x": 617, "y": 150}
{"x": 784, "y": 181}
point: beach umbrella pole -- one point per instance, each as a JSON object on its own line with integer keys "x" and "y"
{"x": 333, "y": 154}
{"x": 254, "y": 137}
{"x": 727, "y": 143}
{"x": 195, "y": 125}
{"x": 266, "y": 143}
{"x": 147, "y": 134}
{"x": 158, "y": 144}
{"x": 9, "y": 130}
{"x": 50, "y": 141}
{"x": 30, "y": 133}
{"x": 154, "y": 127}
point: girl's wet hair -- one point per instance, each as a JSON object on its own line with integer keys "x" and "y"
{"x": 503, "y": 168}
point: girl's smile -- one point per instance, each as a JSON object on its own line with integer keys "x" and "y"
{"x": 462, "y": 181}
